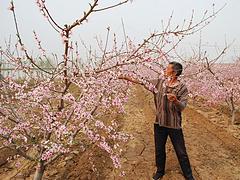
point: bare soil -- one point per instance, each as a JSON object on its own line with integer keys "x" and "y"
{"x": 212, "y": 146}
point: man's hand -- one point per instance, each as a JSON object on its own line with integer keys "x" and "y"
{"x": 172, "y": 97}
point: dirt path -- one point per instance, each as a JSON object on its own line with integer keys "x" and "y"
{"x": 213, "y": 152}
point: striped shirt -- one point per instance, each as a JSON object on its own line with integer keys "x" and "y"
{"x": 169, "y": 114}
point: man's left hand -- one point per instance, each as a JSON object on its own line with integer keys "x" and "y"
{"x": 171, "y": 97}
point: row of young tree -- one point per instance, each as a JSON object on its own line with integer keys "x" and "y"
{"x": 218, "y": 84}
{"x": 46, "y": 115}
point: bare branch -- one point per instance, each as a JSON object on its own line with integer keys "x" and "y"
{"x": 85, "y": 16}
{"x": 110, "y": 7}
{"x": 21, "y": 43}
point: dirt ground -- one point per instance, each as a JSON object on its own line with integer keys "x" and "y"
{"x": 213, "y": 149}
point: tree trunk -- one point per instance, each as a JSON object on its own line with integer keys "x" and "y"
{"x": 39, "y": 171}
{"x": 233, "y": 120}
{"x": 233, "y": 110}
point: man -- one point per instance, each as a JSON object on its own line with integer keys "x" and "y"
{"x": 170, "y": 97}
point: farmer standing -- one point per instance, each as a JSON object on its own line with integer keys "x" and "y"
{"x": 170, "y": 97}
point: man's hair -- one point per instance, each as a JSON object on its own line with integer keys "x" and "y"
{"x": 177, "y": 67}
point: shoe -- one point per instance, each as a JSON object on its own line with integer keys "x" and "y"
{"x": 190, "y": 178}
{"x": 157, "y": 176}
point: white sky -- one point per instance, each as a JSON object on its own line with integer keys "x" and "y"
{"x": 140, "y": 18}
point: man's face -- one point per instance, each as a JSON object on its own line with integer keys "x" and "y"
{"x": 169, "y": 71}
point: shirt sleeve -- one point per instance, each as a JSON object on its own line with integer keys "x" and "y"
{"x": 183, "y": 99}
{"x": 153, "y": 81}
{"x": 152, "y": 85}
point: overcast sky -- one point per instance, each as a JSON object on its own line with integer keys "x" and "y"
{"x": 140, "y": 18}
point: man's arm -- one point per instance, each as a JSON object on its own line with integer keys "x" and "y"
{"x": 130, "y": 79}
{"x": 152, "y": 81}
{"x": 181, "y": 103}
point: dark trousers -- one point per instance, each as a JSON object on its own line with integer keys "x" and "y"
{"x": 176, "y": 135}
